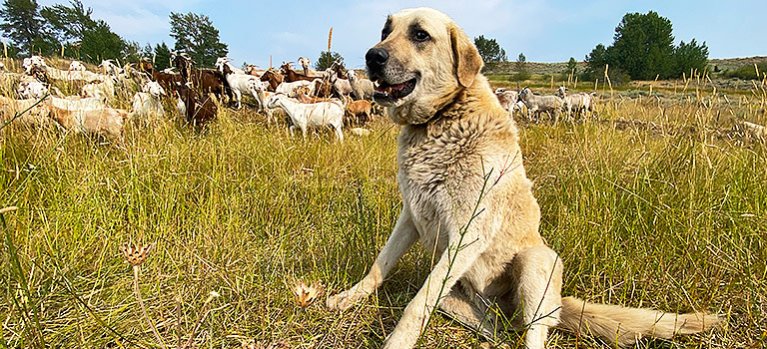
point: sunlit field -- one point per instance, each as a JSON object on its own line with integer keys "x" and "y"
{"x": 659, "y": 200}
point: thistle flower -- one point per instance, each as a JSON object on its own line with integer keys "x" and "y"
{"x": 306, "y": 295}
{"x": 136, "y": 254}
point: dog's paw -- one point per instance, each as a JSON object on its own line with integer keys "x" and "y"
{"x": 344, "y": 300}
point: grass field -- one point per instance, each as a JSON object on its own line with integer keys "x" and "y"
{"x": 660, "y": 202}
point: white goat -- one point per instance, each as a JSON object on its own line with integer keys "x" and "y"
{"x": 341, "y": 87}
{"x": 580, "y": 103}
{"x": 241, "y": 83}
{"x": 110, "y": 68}
{"x": 31, "y": 89}
{"x": 34, "y": 61}
{"x": 541, "y": 104}
{"x": 305, "y": 116}
{"x": 76, "y": 66}
{"x": 509, "y": 100}
{"x": 105, "y": 89}
{"x": 76, "y": 103}
{"x": 147, "y": 103}
{"x": 37, "y": 116}
{"x": 304, "y": 62}
{"x": 221, "y": 61}
{"x": 361, "y": 88}
{"x": 289, "y": 88}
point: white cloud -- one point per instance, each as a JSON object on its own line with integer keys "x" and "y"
{"x": 138, "y": 20}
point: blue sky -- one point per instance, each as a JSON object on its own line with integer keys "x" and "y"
{"x": 545, "y": 31}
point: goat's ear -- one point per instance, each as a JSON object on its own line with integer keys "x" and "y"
{"x": 468, "y": 62}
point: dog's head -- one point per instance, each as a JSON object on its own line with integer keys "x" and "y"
{"x": 423, "y": 60}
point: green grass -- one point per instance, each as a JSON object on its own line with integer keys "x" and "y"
{"x": 672, "y": 218}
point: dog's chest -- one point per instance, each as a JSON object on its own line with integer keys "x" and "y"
{"x": 435, "y": 171}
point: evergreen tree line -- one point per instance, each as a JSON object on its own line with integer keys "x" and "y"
{"x": 643, "y": 49}
{"x": 72, "y": 32}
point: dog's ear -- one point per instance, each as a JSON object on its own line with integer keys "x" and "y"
{"x": 468, "y": 62}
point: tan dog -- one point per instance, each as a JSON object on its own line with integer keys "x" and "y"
{"x": 467, "y": 198}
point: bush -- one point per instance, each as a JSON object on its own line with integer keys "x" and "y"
{"x": 520, "y": 76}
{"x": 618, "y": 77}
{"x": 747, "y": 72}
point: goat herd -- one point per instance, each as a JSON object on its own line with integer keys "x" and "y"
{"x": 308, "y": 98}
{"x": 573, "y": 105}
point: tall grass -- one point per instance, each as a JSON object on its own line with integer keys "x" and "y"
{"x": 671, "y": 216}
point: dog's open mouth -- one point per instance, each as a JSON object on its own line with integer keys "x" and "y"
{"x": 393, "y": 92}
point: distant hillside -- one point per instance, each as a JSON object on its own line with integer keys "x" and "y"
{"x": 532, "y": 67}
{"x": 735, "y": 63}
{"x": 506, "y": 68}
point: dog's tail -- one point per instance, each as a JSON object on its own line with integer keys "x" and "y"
{"x": 624, "y": 326}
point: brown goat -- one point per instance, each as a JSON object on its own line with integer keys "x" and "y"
{"x": 361, "y": 111}
{"x": 168, "y": 81}
{"x": 273, "y": 78}
{"x": 200, "y": 109}
{"x": 292, "y": 76}
{"x": 302, "y": 95}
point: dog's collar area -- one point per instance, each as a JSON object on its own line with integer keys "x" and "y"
{"x": 441, "y": 112}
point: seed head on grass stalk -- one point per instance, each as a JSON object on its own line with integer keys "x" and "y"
{"x": 306, "y": 295}
{"x": 136, "y": 255}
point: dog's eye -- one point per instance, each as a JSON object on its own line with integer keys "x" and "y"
{"x": 384, "y": 35}
{"x": 421, "y": 36}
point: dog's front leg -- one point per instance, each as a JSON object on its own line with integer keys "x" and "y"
{"x": 402, "y": 238}
{"x": 454, "y": 262}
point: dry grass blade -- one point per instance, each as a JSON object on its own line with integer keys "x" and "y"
{"x": 8, "y": 209}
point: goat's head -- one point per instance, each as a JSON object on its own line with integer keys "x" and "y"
{"x": 524, "y": 93}
{"x": 145, "y": 65}
{"x": 286, "y": 67}
{"x": 184, "y": 65}
{"x": 153, "y": 88}
{"x": 76, "y": 66}
{"x": 275, "y": 100}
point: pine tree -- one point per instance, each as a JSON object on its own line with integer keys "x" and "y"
{"x": 327, "y": 59}
{"x": 644, "y": 45}
{"x": 521, "y": 67}
{"x": 162, "y": 56}
{"x": 643, "y": 48}
{"x": 132, "y": 52}
{"x": 86, "y": 38}
{"x": 196, "y": 35}
{"x": 489, "y": 50}
{"x": 22, "y": 23}
{"x": 100, "y": 43}
{"x": 572, "y": 66}
{"x": 690, "y": 56}
{"x": 69, "y": 23}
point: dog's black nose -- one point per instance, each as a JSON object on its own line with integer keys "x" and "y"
{"x": 376, "y": 58}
